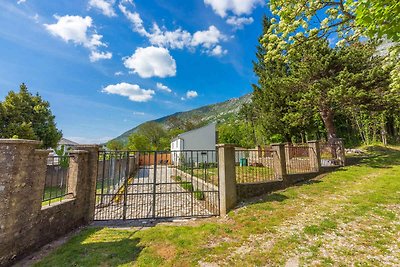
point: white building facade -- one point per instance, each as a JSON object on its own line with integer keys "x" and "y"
{"x": 197, "y": 146}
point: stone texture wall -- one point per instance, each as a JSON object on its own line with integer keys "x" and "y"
{"x": 24, "y": 224}
{"x": 257, "y": 189}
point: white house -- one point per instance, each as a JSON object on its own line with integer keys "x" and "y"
{"x": 195, "y": 146}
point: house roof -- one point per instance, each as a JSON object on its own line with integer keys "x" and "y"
{"x": 180, "y": 136}
{"x": 65, "y": 141}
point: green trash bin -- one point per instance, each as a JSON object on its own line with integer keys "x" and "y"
{"x": 243, "y": 162}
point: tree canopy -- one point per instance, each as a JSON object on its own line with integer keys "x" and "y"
{"x": 319, "y": 90}
{"x": 27, "y": 116}
{"x": 296, "y": 22}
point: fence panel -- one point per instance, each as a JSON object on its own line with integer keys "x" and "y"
{"x": 56, "y": 182}
{"x": 298, "y": 158}
{"x": 254, "y": 166}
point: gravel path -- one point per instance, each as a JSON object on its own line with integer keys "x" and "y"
{"x": 171, "y": 200}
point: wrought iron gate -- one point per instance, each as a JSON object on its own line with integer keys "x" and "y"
{"x": 156, "y": 184}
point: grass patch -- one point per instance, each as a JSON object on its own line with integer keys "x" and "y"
{"x": 348, "y": 218}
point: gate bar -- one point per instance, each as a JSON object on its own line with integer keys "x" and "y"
{"x": 154, "y": 184}
{"x": 126, "y": 185}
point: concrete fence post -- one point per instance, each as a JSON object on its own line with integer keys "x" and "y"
{"x": 22, "y": 178}
{"x": 314, "y": 155}
{"x": 227, "y": 178}
{"x": 93, "y": 157}
{"x": 279, "y": 159}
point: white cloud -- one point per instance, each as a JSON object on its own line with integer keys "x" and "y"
{"x": 218, "y": 51}
{"x": 191, "y": 94}
{"x": 164, "y": 88}
{"x": 208, "y": 38}
{"x": 36, "y": 18}
{"x": 105, "y": 6}
{"x": 21, "y": 2}
{"x": 132, "y": 91}
{"x": 96, "y": 56}
{"x": 77, "y": 30}
{"x": 177, "y": 39}
{"x": 237, "y": 7}
{"x": 151, "y": 62}
{"x": 138, "y": 113}
{"x": 134, "y": 18}
{"x": 239, "y": 22}
{"x": 118, "y": 73}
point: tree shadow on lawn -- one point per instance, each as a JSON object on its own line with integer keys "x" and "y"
{"x": 96, "y": 247}
{"x": 380, "y": 157}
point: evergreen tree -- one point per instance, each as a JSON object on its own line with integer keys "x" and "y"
{"x": 27, "y": 116}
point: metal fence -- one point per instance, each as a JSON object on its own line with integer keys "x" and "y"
{"x": 254, "y": 166}
{"x": 298, "y": 158}
{"x": 56, "y": 183}
{"x": 156, "y": 184}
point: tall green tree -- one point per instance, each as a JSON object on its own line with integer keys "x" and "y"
{"x": 296, "y": 22}
{"x": 115, "y": 145}
{"x": 27, "y": 116}
{"x": 330, "y": 80}
{"x": 139, "y": 142}
{"x": 270, "y": 112}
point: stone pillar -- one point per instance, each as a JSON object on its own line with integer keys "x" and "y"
{"x": 77, "y": 176}
{"x": 22, "y": 178}
{"x": 92, "y": 166}
{"x": 279, "y": 158}
{"x": 315, "y": 155}
{"x": 227, "y": 178}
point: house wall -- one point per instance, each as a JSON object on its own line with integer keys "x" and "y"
{"x": 200, "y": 139}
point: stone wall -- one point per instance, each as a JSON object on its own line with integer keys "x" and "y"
{"x": 256, "y": 189}
{"x": 25, "y": 225}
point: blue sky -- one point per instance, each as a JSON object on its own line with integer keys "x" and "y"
{"x": 107, "y": 65}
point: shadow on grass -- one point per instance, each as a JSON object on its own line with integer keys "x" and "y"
{"x": 380, "y": 157}
{"x": 96, "y": 247}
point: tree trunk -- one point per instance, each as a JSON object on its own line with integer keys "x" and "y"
{"x": 327, "y": 118}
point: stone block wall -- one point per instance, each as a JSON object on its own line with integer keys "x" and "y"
{"x": 25, "y": 225}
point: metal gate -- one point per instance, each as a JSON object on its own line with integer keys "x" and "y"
{"x": 156, "y": 184}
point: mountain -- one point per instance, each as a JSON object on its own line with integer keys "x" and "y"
{"x": 219, "y": 112}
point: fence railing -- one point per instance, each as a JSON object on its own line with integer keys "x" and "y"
{"x": 298, "y": 158}
{"x": 254, "y": 166}
{"x": 56, "y": 182}
{"x": 201, "y": 164}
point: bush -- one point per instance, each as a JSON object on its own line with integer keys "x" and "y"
{"x": 187, "y": 186}
{"x": 199, "y": 195}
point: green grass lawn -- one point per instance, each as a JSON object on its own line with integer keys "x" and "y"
{"x": 350, "y": 217}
